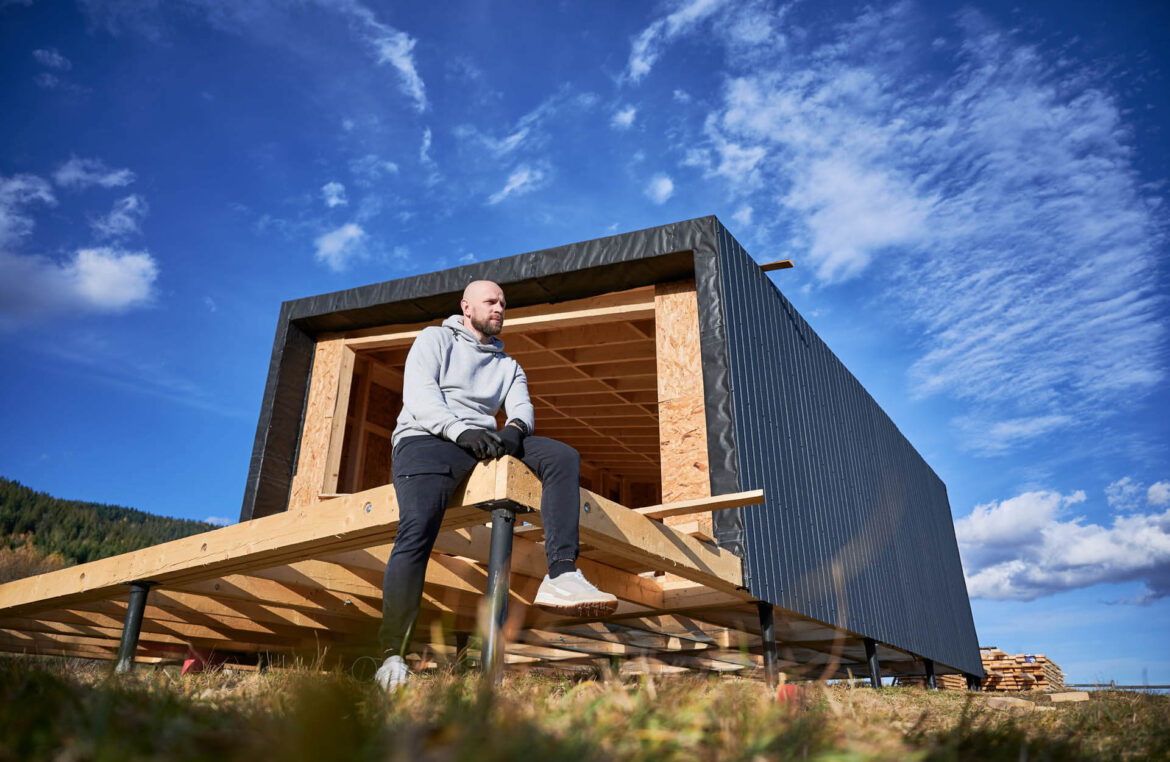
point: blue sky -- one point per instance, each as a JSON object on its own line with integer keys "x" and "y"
{"x": 974, "y": 196}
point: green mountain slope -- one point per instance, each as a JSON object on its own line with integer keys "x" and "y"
{"x": 78, "y": 531}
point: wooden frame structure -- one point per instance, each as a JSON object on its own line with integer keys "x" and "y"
{"x": 619, "y": 375}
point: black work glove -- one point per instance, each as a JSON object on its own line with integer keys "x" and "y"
{"x": 512, "y": 439}
{"x": 481, "y": 443}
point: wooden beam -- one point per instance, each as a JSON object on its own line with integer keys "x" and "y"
{"x": 339, "y": 524}
{"x": 336, "y": 430}
{"x": 699, "y": 505}
{"x": 622, "y": 306}
{"x": 782, "y": 264}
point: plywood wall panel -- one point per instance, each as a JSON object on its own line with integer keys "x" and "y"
{"x": 682, "y": 425}
{"x": 318, "y": 423}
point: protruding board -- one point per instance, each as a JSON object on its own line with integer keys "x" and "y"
{"x": 329, "y": 371}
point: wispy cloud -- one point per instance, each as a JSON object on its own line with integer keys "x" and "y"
{"x": 1028, "y": 546}
{"x": 126, "y": 367}
{"x": 529, "y": 133}
{"x": 388, "y": 44}
{"x": 124, "y": 219}
{"x": 338, "y": 248}
{"x": 80, "y": 173}
{"x": 1000, "y": 190}
{"x": 52, "y": 59}
{"x": 392, "y": 46}
{"x": 93, "y": 280}
{"x": 647, "y": 46}
{"x": 333, "y": 194}
{"x": 17, "y": 193}
{"x": 371, "y": 168}
{"x": 523, "y": 179}
{"x": 659, "y": 189}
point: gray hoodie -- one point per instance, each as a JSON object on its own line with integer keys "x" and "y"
{"x": 453, "y": 383}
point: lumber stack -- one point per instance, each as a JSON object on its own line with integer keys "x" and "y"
{"x": 947, "y": 682}
{"x": 1019, "y": 672}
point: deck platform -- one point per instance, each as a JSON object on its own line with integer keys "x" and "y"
{"x": 306, "y": 585}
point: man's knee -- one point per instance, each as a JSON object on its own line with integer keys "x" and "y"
{"x": 554, "y": 451}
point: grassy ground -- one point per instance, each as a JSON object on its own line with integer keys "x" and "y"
{"x": 61, "y": 710}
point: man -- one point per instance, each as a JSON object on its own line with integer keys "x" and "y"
{"x": 456, "y": 377}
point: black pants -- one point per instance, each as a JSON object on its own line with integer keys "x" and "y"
{"x": 426, "y": 471}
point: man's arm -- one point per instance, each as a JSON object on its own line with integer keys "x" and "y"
{"x": 421, "y": 395}
{"x": 517, "y": 405}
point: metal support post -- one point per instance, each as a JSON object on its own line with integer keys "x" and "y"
{"x": 928, "y": 664}
{"x": 875, "y": 669}
{"x": 132, "y": 626}
{"x": 768, "y": 633}
{"x": 499, "y": 572}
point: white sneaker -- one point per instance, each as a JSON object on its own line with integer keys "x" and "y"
{"x": 572, "y": 595}
{"x": 393, "y": 673}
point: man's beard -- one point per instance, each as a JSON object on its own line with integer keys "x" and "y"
{"x": 486, "y": 327}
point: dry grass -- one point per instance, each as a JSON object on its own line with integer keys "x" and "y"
{"x": 68, "y": 710}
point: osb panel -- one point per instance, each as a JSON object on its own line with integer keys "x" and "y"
{"x": 679, "y": 363}
{"x": 682, "y": 424}
{"x": 318, "y": 424}
{"x": 683, "y": 434}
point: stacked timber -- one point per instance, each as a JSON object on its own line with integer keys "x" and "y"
{"x": 1019, "y": 672}
{"x": 942, "y": 682}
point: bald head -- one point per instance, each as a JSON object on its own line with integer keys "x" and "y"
{"x": 483, "y": 307}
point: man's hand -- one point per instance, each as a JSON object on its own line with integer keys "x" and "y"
{"x": 481, "y": 443}
{"x": 512, "y": 438}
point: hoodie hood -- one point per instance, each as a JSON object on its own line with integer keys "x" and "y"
{"x": 455, "y": 323}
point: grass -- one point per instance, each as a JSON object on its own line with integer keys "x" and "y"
{"x": 71, "y": 710}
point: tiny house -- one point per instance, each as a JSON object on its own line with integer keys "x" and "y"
{"x": 741, "y": 491}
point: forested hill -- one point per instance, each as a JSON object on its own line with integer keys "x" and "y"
{"x": 78, "y": 531}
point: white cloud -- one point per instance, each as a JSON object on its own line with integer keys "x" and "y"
{"x": 648, "y": 45}
{"x": 95, "y": 280}
{"x": 681, "y": 96}
{"x": 1000, "y": 192}
{"x": 333, "y": 193}
{"x": 523, "y": 179}
{"x": 371, "y": 168}
{"x": 124, "y": 218}
{"x": 424, "y": 150}
{"x": 338, "y": 248}
{"x": 84, "y": 173}
{"x": 1125, "y": 494}
{"x": 623, "y": 118}
{"x": 1158, "y": 493}
{"x": 743, "y": 216}
{"x": 113, "y": 280}
{"x": 659, "y": 189}
{"x": 1023, "y": 548}
{"x": 17, "y": 192}
{"x": 51, "y": 58}
{"x": 219, "y": 521}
